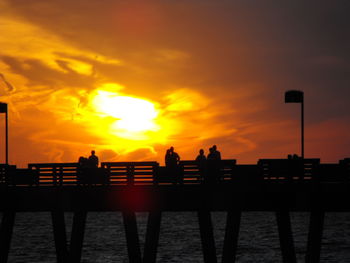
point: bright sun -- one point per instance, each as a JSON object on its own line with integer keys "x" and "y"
{"x": 133, "y": 115}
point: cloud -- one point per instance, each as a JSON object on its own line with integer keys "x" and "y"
{"x": 5, "y": 86}
{"x": 218, "y": 74}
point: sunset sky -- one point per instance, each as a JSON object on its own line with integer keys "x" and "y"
{"x": 129, "y": 79}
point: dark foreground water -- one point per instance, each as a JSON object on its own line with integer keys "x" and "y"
{"x": 179, "y": 238}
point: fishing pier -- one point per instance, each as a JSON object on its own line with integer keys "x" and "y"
{"x": 278, "y": 185}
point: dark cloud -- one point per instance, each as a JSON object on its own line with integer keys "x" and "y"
{"x": 8, "y": 85}
{"x": 39, "y": 73}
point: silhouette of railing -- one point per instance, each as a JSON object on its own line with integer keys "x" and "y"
{"x": 194, "y": 172}
{"x": 3, "y": 168}
{"x": 289, "y": 169}
{"x": 131, "y": 173}
{"x": 56, "y": 174}
{"x": 188, "y": 172}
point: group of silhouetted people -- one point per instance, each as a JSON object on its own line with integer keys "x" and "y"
{"x": 91, "y": 162}
{"x": 209, "y": 166}
{"x": 87, "y": 168}
{"x": 213, "y": 154}
{"x": 172, "y": 160}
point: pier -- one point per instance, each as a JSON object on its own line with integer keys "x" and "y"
{"x": 278, "y": 185}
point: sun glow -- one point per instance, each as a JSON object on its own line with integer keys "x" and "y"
{"x": 133, "y": 115}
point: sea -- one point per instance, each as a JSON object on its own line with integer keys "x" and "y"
{"x": 104, "y": 239}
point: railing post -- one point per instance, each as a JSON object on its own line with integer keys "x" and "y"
{"x": 155, "y": 171}
{"x": 130, "y": 174}
{"x": 54, "y": 176}
{"x": 61, "y": 176}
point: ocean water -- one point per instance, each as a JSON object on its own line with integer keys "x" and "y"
{"x": 179, "y": 237}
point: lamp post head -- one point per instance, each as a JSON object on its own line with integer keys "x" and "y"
{"x": 3, "y": 107}
{"x": 294, "y": 96}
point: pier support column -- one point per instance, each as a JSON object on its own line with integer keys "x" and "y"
{"x": 315, "y": 237}
{"x": 152, "y": 237}
{"x": 286, "y": 236}
{"x": 77, "y": 236}
{"x": 132, "y": 237}
{"x": 231, "y": 236}
{"x": 59, "y": 233}
{"x": 6, "y": 229}
{"x": 207, "y": 236}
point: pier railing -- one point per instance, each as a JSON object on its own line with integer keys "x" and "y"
{"x": 130, "y": 173}
{"x": 188, "y": 172}
{"x": 289, "y": 169}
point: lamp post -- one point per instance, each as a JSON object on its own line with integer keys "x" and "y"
{"x": 3, "y": 109}
{"x": 297, "y": 96}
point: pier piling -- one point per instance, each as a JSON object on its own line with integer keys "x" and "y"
{"x": 152, "y": 237}
{"x": 285, "y": 236}
{"x": 6, "y": 229}
{"x": 315, "y": 236}
{"x": 77, "y": 236}
{"x": 132, "y": 237}
{"x": 233, "y": 222}
{"x": 207, "y": 236}
{"x": 60, "y": 236}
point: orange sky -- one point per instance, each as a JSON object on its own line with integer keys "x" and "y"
{"x": 132, "y": 78}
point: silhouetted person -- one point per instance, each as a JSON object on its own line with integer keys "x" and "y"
{"x": 82, "y": 161}
{"x": 201, "y": 157}
{"x": 82, "y": 171}
{"x": 202, "y": 163}
{"x": 93, "y": 159}
{"x": 172, "y": 163}
{"x": 211, "y": 154}
{"x": 217, "y": 154}
{"x": 213, "y": 165}
{"x": 167, "y": 158}
{"x": 174, "y": 157}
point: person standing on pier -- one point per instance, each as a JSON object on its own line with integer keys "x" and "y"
{"x": 172, "y": 163}
{"x": 167, "y": 158}
{"x": 201, "y": 157}
{"x": 93, "y": 159}
{"x": 213, "y": 165}
{"x": 201, "y": 161}
{"x": 217, "y": 154}
{"x": 174, "y": 157}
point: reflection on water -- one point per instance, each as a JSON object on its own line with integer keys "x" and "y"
{"x": 179, "y": 238}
